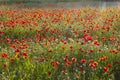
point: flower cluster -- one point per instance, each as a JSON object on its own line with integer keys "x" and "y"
{"x": 59, "y": 44}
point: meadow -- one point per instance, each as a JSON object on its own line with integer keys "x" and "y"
{"x": 59, "y": 44}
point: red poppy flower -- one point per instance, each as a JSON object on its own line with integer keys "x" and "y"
{"x": 8, "y": 40}
{"x": 109, "y": 65}
{"x": 74, "y": 59}
{"x": 5, "y": 55}
{"x": 106, "y": 69}
{"x": 92, "y": 65}
{"x": 87, "y": 37}
{"x": 83, "y": 61}
{"x": 68, "y": 63}
{"x": 96, "y": 43}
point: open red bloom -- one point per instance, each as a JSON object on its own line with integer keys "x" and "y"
{"x": 74, "y": 59}
{"x": 8, "y": 40}
{"x": 96, "y": 43}
{"x": 106, "y": 69}
{"x": 83, "y": 61}
{"x": 103, "y": 58}
{"x": 114, "y": 51}
{"x": 55, "y": 64}
{"x": 109, "y": 65}
{"x": 91, "y": 61}
{"x": 68, "y": 63}
{"x": 87, "y": 37}
{"x": 92, "y": 65}
{"x": 17, "y": 50}
{"x": 24, "y": 53}
{"x": 5, "y": 55}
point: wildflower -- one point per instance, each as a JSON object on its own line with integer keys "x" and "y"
{"x": 109, "y": 65}
{"x": 70, "y": 27}
{"x": 82, "y": 69}
{"x": 87, "y": 37}
{"x": 76, "y": 33}
{"x": 86, "y": 31}
{"x": 21, "y": 47}
{"x": 81, "y": 50}
{"x": 49, "y": 72}
{"x": 17, "y": 41}
{"x": 83, "y": 61}
{"x": 95, "y": 63}
{"x": 91, "y": 61}
{"x": 92, "y": 65}
{"x": 55, "y": 64}
{"x": 50, "y": 50}
{"x": 5, "y": 55}
{"x": 103, "y": 38}
{"x": 106, "y": 69}
{"x": 65, "y": 42}
{"x": 103, "y": 58}
{"x": 12, "y": 60}
{"x": 17, "y": 50}
{"x": 71, "y": 47}
{"x": 66, "y": 58}
{"x": 23, "y": 22}
{"x": 74, "y": 59}
{"x": 13, "y": 45}
{"x": 8, "y": 40}
{"x": 24, "y": 53}
{"x": 111, "y": 39}
{"x": 68, "y": 63}
{"x": 35, "y": 23}
{"x": 90, "y": 51}
{"x": 96, "y": 43}
{"x": 42, "y": 59}
{"x": 114, "y": 51}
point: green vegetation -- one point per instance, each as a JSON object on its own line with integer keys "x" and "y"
{"x": 59, "y": 44}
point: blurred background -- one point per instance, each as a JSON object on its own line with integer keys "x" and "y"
{"x": 61, "y": 3}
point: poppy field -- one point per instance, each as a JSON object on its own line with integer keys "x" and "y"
{"x": 59, "y": 44}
